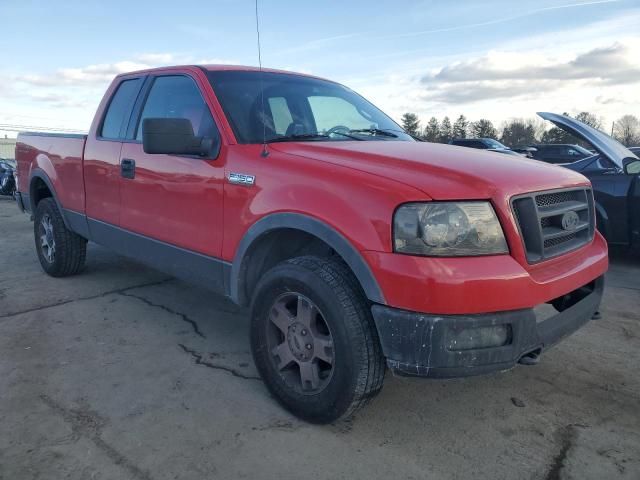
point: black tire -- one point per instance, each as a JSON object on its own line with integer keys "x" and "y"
{"x": 69, "y": 249}
{"x": 358, "y": 366}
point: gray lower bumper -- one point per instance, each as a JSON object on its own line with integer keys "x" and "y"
{"x": 417, "y": 344}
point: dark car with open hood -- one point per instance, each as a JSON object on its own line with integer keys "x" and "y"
{"x": 614, "y": 172}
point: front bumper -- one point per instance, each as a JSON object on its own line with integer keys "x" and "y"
{"x": 418, "y": 344}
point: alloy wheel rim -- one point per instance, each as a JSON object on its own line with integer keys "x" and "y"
{"x": 47, "y": 240}
{"x": 300, "y": 343}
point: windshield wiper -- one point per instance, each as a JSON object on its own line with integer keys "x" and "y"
{"x": 300, "y": 136}
{"x": 344, "y": 134}
{"x": 374, "y": 131}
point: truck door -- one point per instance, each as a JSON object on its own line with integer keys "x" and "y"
{"x": 174, "y": 199}
{"x": 102, "y": 153}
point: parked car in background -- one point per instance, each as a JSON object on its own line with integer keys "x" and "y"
{"x": 480, "y": 143}
{"x": 488, "y": 144}
{"x": 559, "y": 153}
{"x": 7, "y": 177}
{"x": 525, "y": 151}
{"x": 614, "y": 173}
{"x": 506, "y": 151}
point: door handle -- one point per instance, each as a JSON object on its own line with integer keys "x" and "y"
{"x": 128, "y": 168}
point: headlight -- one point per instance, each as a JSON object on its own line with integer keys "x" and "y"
{"x": 448, "y": 229}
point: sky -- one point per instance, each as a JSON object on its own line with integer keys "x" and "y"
{"x": 495, "y": 59}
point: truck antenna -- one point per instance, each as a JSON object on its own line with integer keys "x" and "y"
{"x": 265, "y": 152}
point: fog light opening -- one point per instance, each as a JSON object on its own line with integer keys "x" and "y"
{"x": 477, "y": 338}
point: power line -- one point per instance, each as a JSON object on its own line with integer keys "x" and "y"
{"x": 10, "y": 127}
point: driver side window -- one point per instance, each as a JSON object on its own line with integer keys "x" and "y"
{"x": 178, "y": 96}
{"x": 329, "y": 112}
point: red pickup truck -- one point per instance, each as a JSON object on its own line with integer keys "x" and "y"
{"x": 356, "y": 247}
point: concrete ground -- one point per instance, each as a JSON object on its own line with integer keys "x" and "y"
{"x": 122, "y": 372}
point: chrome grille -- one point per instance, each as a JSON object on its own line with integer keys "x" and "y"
{"x": 554, "y": 222}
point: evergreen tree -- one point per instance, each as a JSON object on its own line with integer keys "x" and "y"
{"x": 557, "y": 135}
{"x": 484, "y": 128}
{"x": 518, "y": 133}
{"x": 445, "y": 131}
{"x": 411, "y": 124}
{"x": 460, "y": 127}
{"x": 432, "y": 130}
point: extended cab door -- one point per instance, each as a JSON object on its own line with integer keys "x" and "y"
{"x": 102, "y": 151}
{"x": 174, "y": 199}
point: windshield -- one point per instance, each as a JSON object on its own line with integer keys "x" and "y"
{"x": 493, "y": 143}
{"x": 298, "y": 108}
{"x": 592, "y": 162}
{"x": 582, "y": 150}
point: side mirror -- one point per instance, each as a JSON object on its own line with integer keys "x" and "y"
{"x": 174, "y": 136}
{"x": 631, "y": 166}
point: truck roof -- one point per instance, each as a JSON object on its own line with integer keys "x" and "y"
{"x": 216, "y": 67}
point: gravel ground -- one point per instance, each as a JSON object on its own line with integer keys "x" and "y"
{"x": 122, "y": 372}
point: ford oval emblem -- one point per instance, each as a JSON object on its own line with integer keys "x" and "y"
{"x": 570, "y": 221}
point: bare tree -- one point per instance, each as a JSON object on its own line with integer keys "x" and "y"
{"x": 590, "y": 119}
{"x": 627, "y": 130}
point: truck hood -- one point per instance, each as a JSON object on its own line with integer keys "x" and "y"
{"x": 603, "y": 143}
{"x": 443, "y": 172}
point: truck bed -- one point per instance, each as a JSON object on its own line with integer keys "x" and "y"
{"x": 59, "y": 157}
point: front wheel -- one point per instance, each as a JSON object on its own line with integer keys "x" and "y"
{"x": 61, "y": 252}
{"x": 313, "y": 339}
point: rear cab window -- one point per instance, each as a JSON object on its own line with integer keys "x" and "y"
{"x": 119, "y": 109}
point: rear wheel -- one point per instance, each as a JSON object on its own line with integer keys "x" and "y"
{"x": 313, "y": 339}
{"x": 61, "y": 252}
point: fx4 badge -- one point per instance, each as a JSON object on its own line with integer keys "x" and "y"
{"x": 242, "y": 179}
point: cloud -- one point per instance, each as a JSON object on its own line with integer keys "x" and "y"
{"x": 59, "y": 100}
{"x": 102, "y": 73}
{"x": 499, "y": 20}
{"x": 90, "y": 75}
{"x": 505, "y": 75}
{"x": 73, "y": 93}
